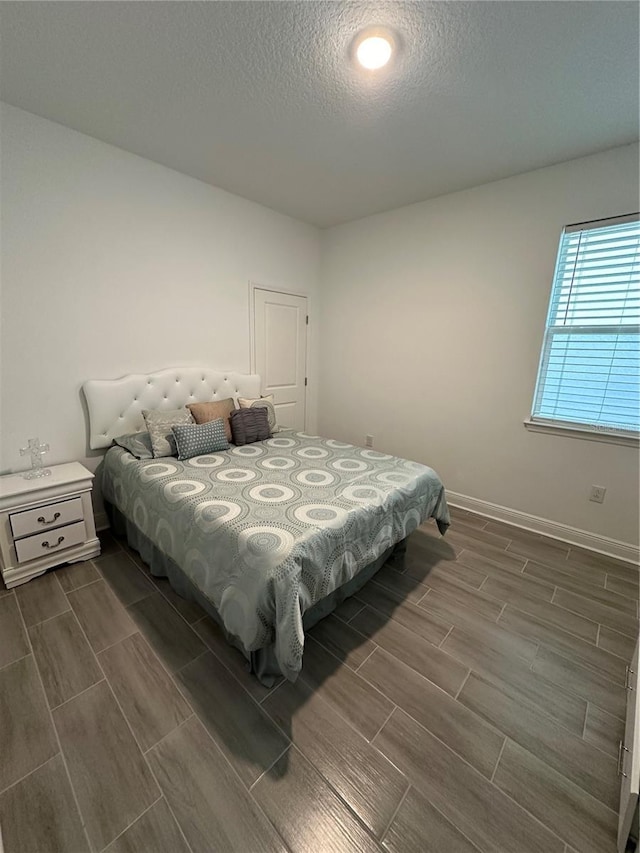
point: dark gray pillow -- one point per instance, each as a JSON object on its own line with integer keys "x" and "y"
{"x": 197, "y": 439}
{"x": 137, "y": 443}
{"x": 249, "y": 425}
{"x": 265, "y": 402}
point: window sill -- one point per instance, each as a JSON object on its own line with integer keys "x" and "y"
{"x": 576, "y": 431}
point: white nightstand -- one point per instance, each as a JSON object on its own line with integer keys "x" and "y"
{"x": 45, "y": 522}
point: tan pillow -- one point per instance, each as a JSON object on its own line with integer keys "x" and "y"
{"x": 205, "y": 412}
{"x": 262, "y": 403}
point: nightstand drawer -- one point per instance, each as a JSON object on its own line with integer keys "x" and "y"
{"x": 50, "y": 541}
{"x": 45, "y": 517}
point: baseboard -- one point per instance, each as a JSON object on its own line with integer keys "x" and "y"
{"x": 555, "y": 530}
{"x": 102, "y": 522}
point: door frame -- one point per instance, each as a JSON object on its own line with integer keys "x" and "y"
{"x": 253, "y": 286}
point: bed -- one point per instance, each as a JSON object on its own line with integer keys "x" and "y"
{"x": 267, "y": 537}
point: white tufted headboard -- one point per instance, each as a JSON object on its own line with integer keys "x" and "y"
{"x": 115, "y": 405}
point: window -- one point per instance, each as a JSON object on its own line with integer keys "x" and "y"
{"x": 589, "y": 375}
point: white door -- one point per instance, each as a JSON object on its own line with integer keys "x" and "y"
{"x": 280, "y": 346}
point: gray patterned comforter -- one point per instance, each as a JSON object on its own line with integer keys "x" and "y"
{"x": 266, "y": 530}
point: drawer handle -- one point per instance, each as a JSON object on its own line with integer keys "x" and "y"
{"x": 55, "y": 544}
{"x": 43, "y": 520}
{"x": 621, "y": 751}
{"x": 628, "y": 671}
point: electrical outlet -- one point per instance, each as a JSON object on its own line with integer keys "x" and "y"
{"x": 368, "y": 441}
{"x": 597, "y": 494}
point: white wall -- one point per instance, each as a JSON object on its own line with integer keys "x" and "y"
{"x": 113, "y": 264}
{"x": 432, "y": 315}
{"x": 431, "y": 325}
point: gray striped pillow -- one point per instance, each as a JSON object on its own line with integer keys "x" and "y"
{"x": 265, "y": 402}
{"x": 249, "y": 425}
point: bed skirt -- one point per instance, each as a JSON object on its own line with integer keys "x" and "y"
{"x": 261, "y": 662}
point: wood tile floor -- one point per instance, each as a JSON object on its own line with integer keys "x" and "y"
{"x": 469, "y": 699}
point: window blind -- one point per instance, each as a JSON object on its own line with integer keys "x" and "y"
{"x": 589, "y": 372}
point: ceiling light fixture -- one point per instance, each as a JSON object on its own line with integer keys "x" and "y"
{"x": 374, "y": 49}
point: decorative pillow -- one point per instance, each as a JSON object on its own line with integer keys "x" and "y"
{"x": 137, "y": 443}
{"x": 262, "y": 402}
{"x": 249, "y": 425}
{"x": 196, "y": 439}
{"x": 159, "y": 425}
{"x": 205, "y": 412}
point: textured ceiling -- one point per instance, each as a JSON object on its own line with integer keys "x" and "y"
{"x": 263, "y": 99}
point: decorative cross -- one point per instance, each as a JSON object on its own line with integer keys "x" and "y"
{"x": 36, "y": 451}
